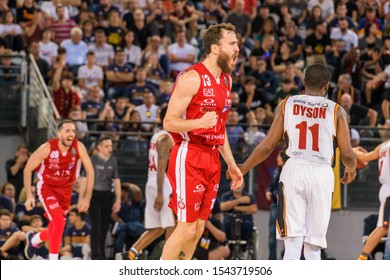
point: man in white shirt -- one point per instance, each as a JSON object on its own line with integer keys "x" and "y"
{"x": 49, "y": 9}
{"x": 342, "y": 32}
{"x": 90, "y": 74}
{"x": 76, "y": 49}
{"x": 104, "y": 52}
{"x": 180, "y": 54}
{"x": 47, "y": 48}
{"x": 148, "y": 110}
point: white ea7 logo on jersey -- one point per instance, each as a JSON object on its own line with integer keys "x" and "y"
{"x": 54, "y": 154}
{"x": 208, "y": 92}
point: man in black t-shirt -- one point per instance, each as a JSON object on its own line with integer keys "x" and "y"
{"x": 358, "y": 114}
{"x": 318, "y": 42}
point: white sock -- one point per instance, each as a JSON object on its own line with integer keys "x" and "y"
{"x": 134, "y": 250}
{"x": 312, "y": 252}
{"x": 36, "y": 239}
{"x": 53, "y": 256}
{"x": 293, "y": 248}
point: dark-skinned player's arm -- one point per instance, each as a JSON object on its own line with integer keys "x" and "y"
{"x": 344, "y": 143}
{"x": 265, "y": 148}
{"x": 33, "y": 162}
{"x": 163, "y": 147}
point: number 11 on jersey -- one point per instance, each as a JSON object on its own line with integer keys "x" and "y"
{"x": 314, "y": 130}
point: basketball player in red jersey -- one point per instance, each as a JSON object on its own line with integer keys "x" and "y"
{"x": 57, "y": 163}
{"x": 311, "y": 125}
{"x": 196, "y": 118}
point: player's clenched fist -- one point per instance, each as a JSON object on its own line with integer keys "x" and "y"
{"x": 209, "y": 120}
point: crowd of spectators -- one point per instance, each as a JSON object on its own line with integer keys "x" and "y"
{"x": 107, "y": 59}
{"x": 111, "y": 64}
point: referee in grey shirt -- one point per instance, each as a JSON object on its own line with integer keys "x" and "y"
{"x": 103, "y": 202}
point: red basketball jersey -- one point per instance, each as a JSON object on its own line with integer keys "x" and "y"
{"x": 213, "y": 95}
{"x": 59, "y": 169}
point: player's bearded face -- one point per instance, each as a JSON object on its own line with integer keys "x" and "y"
{"x": 226, "y": 62}
{"x": 67, "y": 135}
{"x": 67, "y": 140}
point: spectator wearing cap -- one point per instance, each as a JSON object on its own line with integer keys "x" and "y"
{"x": 62, "y": 26}
{"x": 65, "y": 97}
{"x": 344, "y": 33}
{"x": 114, "y": 30}
{"x": 11, "y": 32}
{"x": 118, "y": 75}
{"x": 9, "y": 71}
{"x": 90, "y": 74}
{"x": 104, "y": 52}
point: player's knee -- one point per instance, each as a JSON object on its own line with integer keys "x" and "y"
{"x": 199, "y": 232}
{"x": 188, "y": 232}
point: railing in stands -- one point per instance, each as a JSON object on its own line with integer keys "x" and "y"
{"x": 40, "y": 98}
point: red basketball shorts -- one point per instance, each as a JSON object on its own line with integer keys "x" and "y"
{"x": 55, "y": 200}
{"x": 194, "y": 172}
